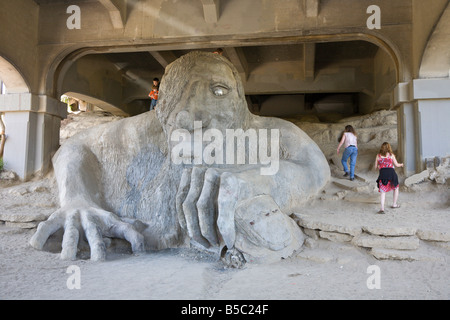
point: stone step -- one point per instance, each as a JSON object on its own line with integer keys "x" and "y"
{"x": 354, "y": 225}
{"x": 335, "y": 236}
{"x": 310, "y": 222}
{"x": 421, "y": 254}
{"x": 390, "y": 231}
{"x": 353, "y": 185}
{"x": 433, "y": 235}
{"x": 22, "y": 225}
{"x": 23, "y": 216}
{"x": 374, "y": 241}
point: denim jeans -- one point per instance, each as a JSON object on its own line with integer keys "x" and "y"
{"x": 153, "y": 104}
{"x": 350, "y": 152}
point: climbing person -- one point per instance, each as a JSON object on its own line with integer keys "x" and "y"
{"x": 350, "y": 142}
{"x": 387, "y": 179}
{"x": 154, "y": 93}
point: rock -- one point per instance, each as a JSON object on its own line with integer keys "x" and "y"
{"x": 11, "y": 230}
{"x": 314, "y": 234}
{"x": 440, "y": 171}
{"x": 22, "y": 225}
{"x": 38, "y": 188}
{"x": 312, "y": 222}
{"x": 352, "y": 185}
{"x": 329, "y": 197}
{"x": 310, "y": 243}
{"x": 372, "y": 241}
{"x": 19, "y": 191}
{"x": 344, "y": 184}
{"x": 433, "y": 235}
{"x": 8, "y": 175}
{"x": 440, "y": 244}
{"x": 416, "y": 178}
{"x": 390, "y": 231}
{"x": 361, "y": 178}
{"x": 23, "y": 217}
{"x": 341, "y": 194}
{"x": 335, "y": 236}
{"x": 409, "y": 255}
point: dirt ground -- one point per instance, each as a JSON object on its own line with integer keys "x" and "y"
{"x": 322, "y": 270}
{"x": 329, "y": 270}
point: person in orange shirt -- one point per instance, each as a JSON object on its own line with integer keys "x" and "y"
{"x": 154, "y": 93}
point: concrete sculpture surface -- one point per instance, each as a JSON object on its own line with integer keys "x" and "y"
{"x": 200, "y": 169}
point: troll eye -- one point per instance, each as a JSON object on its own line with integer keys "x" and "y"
{"x": 219, "y": 90}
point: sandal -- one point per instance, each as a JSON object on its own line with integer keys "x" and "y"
{"x": 381, "y": 212}
{"x": 395, "y": 207}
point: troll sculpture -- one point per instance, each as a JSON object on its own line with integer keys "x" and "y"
{"x": 141, "y": 178}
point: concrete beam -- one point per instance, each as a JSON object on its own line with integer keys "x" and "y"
{"x": 211, "y": 10}
{"x": 105, "y": 105}
{"x": 237, "y": 57}
{"x": 312, "y": 8}
{"x": 117, "y": 10}
{"x": 431, "y": 89}
{"x": 163, "y": 57}
{"x": 309, "y": 53}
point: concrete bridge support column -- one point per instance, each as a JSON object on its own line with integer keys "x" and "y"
{"x": 432, "y": 98}
{"x": 32, "y": 125}
{"x": 407, "y": 137}
{"x": 423, "y": 121}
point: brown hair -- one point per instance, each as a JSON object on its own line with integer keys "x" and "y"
{"x": 349, "y": 128}
{"x": 385, "y": 149}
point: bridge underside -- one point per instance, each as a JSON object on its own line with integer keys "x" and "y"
{"x": 345, "y": 77}
{"x": 337, "y": 57}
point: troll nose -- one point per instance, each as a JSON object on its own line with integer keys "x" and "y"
{"x": 185, "y": 120}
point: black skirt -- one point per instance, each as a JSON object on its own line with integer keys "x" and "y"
{"x": 387, "y": 175}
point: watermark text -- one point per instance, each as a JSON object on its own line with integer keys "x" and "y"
{"x": 235, "y": 147}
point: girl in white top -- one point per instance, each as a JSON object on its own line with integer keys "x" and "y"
{"x": 350, "y": 142}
